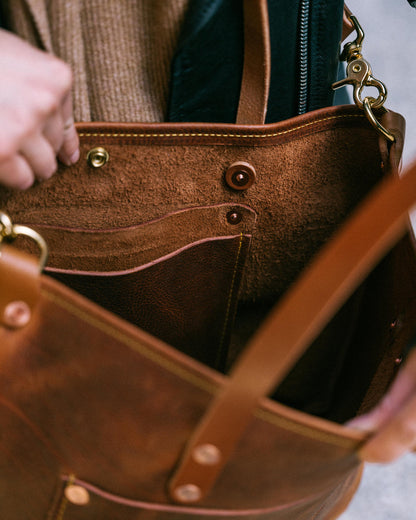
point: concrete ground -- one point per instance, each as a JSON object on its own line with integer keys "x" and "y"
{"x": 388, "y": 492}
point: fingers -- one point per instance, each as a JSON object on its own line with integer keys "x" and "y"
{"x": 69, "y": 150}
{"x": 40, "y": 155}
{"x": 54, "y": 131}
{"x": 16, "y": 173}
{"x": 61, "y": 133}
{"x": 36, "y": 156}
{"x": 36, "y": 120}
{"x": 396, "y": 438}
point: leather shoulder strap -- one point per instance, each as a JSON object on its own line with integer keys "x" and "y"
{"x": 295, "y": 323}
{"x": 255, "y": 82}
{"x": 347, "y": 27}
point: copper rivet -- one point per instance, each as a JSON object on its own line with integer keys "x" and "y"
{"x": 396, "y": 324}
{"x": 398, "y": 361}
{"x": 207, "y": 454}
{"x": 17, "y": 314}
{"x": 188, "y": 493}
{"x": 234, "y": 217}
{"x": 97, "y": 157}
{"x": 77, "y": 495}
{"x": 240, "y": 176}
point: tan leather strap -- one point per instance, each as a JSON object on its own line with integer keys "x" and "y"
{"x": 347, "y": 26}
{"x": 20, "y": 286}
{"x": 294, "y": 324}
{"x": 255, "y": 82}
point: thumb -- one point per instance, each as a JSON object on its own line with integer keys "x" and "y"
{"x": 393, "y": 420}
{"x": 403, "y": 388}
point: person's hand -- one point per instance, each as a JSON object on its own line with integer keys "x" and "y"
{"x": 36, "y": 122}
{"x": 393, "y": 421}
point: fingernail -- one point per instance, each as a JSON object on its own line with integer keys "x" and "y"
{"x": 74, "y": 157}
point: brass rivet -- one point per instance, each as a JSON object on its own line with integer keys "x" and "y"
{"x": 234, "y": 217}
{"x": 77, "y": 495}
{"x": 207, "y": 454}
{"x": 17, "y": 314}
{"x": 97, "y": 157}
{"x": 240, "y": 176}
{"x": 187, "y": 493}
{"x": 356, "y": 68}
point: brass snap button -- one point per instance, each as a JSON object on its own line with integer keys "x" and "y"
{"x": 97, "y": 157}
{"x": 240, "y": 176}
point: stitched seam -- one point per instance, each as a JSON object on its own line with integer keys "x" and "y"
{"x": 230, "y": 297}
{"x": 62, "y": 509}
{"x": 64, "y": 502}
{"x": 208, "y": 134}
{"x": 278, "y": 420}
{"x": 56, "y": 503}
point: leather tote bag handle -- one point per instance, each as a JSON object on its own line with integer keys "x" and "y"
{"x": 308, "y": 307}
{"x": 294, "y": 323}
{"x": 255, "y": 83}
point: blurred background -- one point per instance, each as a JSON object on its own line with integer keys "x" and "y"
{"x": 390, "y": 47}
{"x": 388, "y": 492}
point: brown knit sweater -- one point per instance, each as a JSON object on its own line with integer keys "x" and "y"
{"x": 120, "y": 51}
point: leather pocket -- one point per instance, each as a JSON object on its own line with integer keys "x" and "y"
{"x": 80, "y": 500}
{"x": 176, "y": 277}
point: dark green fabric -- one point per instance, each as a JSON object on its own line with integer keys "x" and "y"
{"x": 206, "y": 72}
{"x": 326, "y": 30}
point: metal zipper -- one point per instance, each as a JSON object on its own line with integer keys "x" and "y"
{"x": 303, "y": 56}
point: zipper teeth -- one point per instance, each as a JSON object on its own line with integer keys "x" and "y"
{"x": 303, "y": 56}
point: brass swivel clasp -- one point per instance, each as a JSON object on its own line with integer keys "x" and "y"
{"x": 9, "y": 232}
{"x": 360, "y": 75}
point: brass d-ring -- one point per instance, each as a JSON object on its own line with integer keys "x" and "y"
{"x": 10, "y": 232}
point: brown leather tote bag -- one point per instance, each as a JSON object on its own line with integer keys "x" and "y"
{"x": 101, "y": 420}
{"x": 176, "y": 228}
